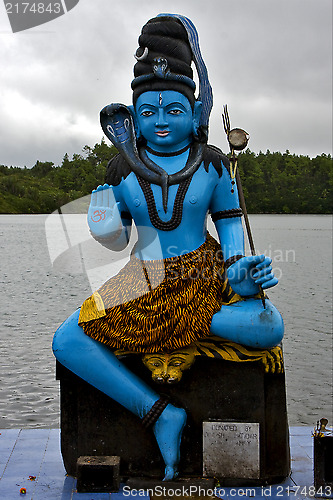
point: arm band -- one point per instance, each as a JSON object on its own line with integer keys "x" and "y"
{"x": 227, "y": 214}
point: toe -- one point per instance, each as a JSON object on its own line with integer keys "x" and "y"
{"x": 170, "y": 473}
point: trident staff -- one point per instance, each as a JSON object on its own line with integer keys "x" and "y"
{"x": 238, "y": 139}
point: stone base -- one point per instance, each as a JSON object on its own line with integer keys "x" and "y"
{"x": 212, "y": 389}
{"x": 181, "y": 486}
{"x": 98, "y": 474}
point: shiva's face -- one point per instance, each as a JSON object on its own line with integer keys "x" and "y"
{"x": 166, "y": 120}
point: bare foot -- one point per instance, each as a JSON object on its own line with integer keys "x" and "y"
{"x": 168, "y": 432}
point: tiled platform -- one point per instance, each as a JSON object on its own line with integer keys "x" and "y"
{"x": 25, "y": 453}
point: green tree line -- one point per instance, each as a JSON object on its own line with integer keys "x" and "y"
{"x": 272, "y": 182}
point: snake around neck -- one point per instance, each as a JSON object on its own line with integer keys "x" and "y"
{"x": 118, "y": 126}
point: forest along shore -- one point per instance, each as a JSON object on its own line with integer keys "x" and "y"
{"x": 281, "y": 183}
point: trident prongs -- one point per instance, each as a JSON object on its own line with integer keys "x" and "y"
{"x": 226, "y": 121}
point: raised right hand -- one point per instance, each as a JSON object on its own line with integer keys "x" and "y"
{"x": 103, "y": 214}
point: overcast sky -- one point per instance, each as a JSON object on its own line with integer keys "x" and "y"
{"x": 269, "y": 60}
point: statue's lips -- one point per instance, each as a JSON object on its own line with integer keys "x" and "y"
{"x": 162, "y": 133}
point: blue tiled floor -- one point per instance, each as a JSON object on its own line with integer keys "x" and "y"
{"x": 36, "y": 452}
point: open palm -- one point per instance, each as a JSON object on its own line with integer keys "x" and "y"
{"x": 103, "y": 214}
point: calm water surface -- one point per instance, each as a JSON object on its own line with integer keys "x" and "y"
{"x": 36, "y": 298}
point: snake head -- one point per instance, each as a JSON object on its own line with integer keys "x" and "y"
{"x": 160, "y": 67}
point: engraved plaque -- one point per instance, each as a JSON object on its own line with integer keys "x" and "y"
{"x": 231, "y": 450}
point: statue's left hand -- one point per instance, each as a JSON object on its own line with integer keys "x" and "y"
{"x": 248, "y": 273}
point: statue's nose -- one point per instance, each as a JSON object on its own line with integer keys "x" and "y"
{"x": 161, "y": 119}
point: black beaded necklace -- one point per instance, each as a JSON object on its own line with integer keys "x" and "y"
{"x": 184, "y": 184}
{"x": 177, "y": 212}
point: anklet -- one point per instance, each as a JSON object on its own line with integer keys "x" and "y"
{"x": 155, "y": 411}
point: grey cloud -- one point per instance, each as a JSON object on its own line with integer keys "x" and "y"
{"x": 270, "y": 61}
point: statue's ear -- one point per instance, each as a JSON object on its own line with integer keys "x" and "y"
{"x": 196, "y": 117}
{"x": 136, "y": 124}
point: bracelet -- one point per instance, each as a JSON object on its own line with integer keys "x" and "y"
{"x": 155, "y": 411}
{"x": 108, "y": 239}
{"x": 232, "y": 260}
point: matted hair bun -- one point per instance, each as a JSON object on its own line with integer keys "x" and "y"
{"x": 164, "y": 38}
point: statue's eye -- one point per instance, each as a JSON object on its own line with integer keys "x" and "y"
{"x": 147, "y": 113}
{"x": 175, "y": 112}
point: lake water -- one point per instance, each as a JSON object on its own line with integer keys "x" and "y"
{"x": 36, "y": 297}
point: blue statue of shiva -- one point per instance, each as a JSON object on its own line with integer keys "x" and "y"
{"x": 180, "y": 284}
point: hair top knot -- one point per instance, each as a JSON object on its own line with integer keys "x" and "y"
{"x": 163, "y": 38}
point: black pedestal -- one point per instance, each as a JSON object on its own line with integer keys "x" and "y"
{"x": 323, "y": 462}
{"x": 212, "y": 389}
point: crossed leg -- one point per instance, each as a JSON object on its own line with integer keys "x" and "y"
{"x": 248, "y": 323}
{"x": 96, "y": 364}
